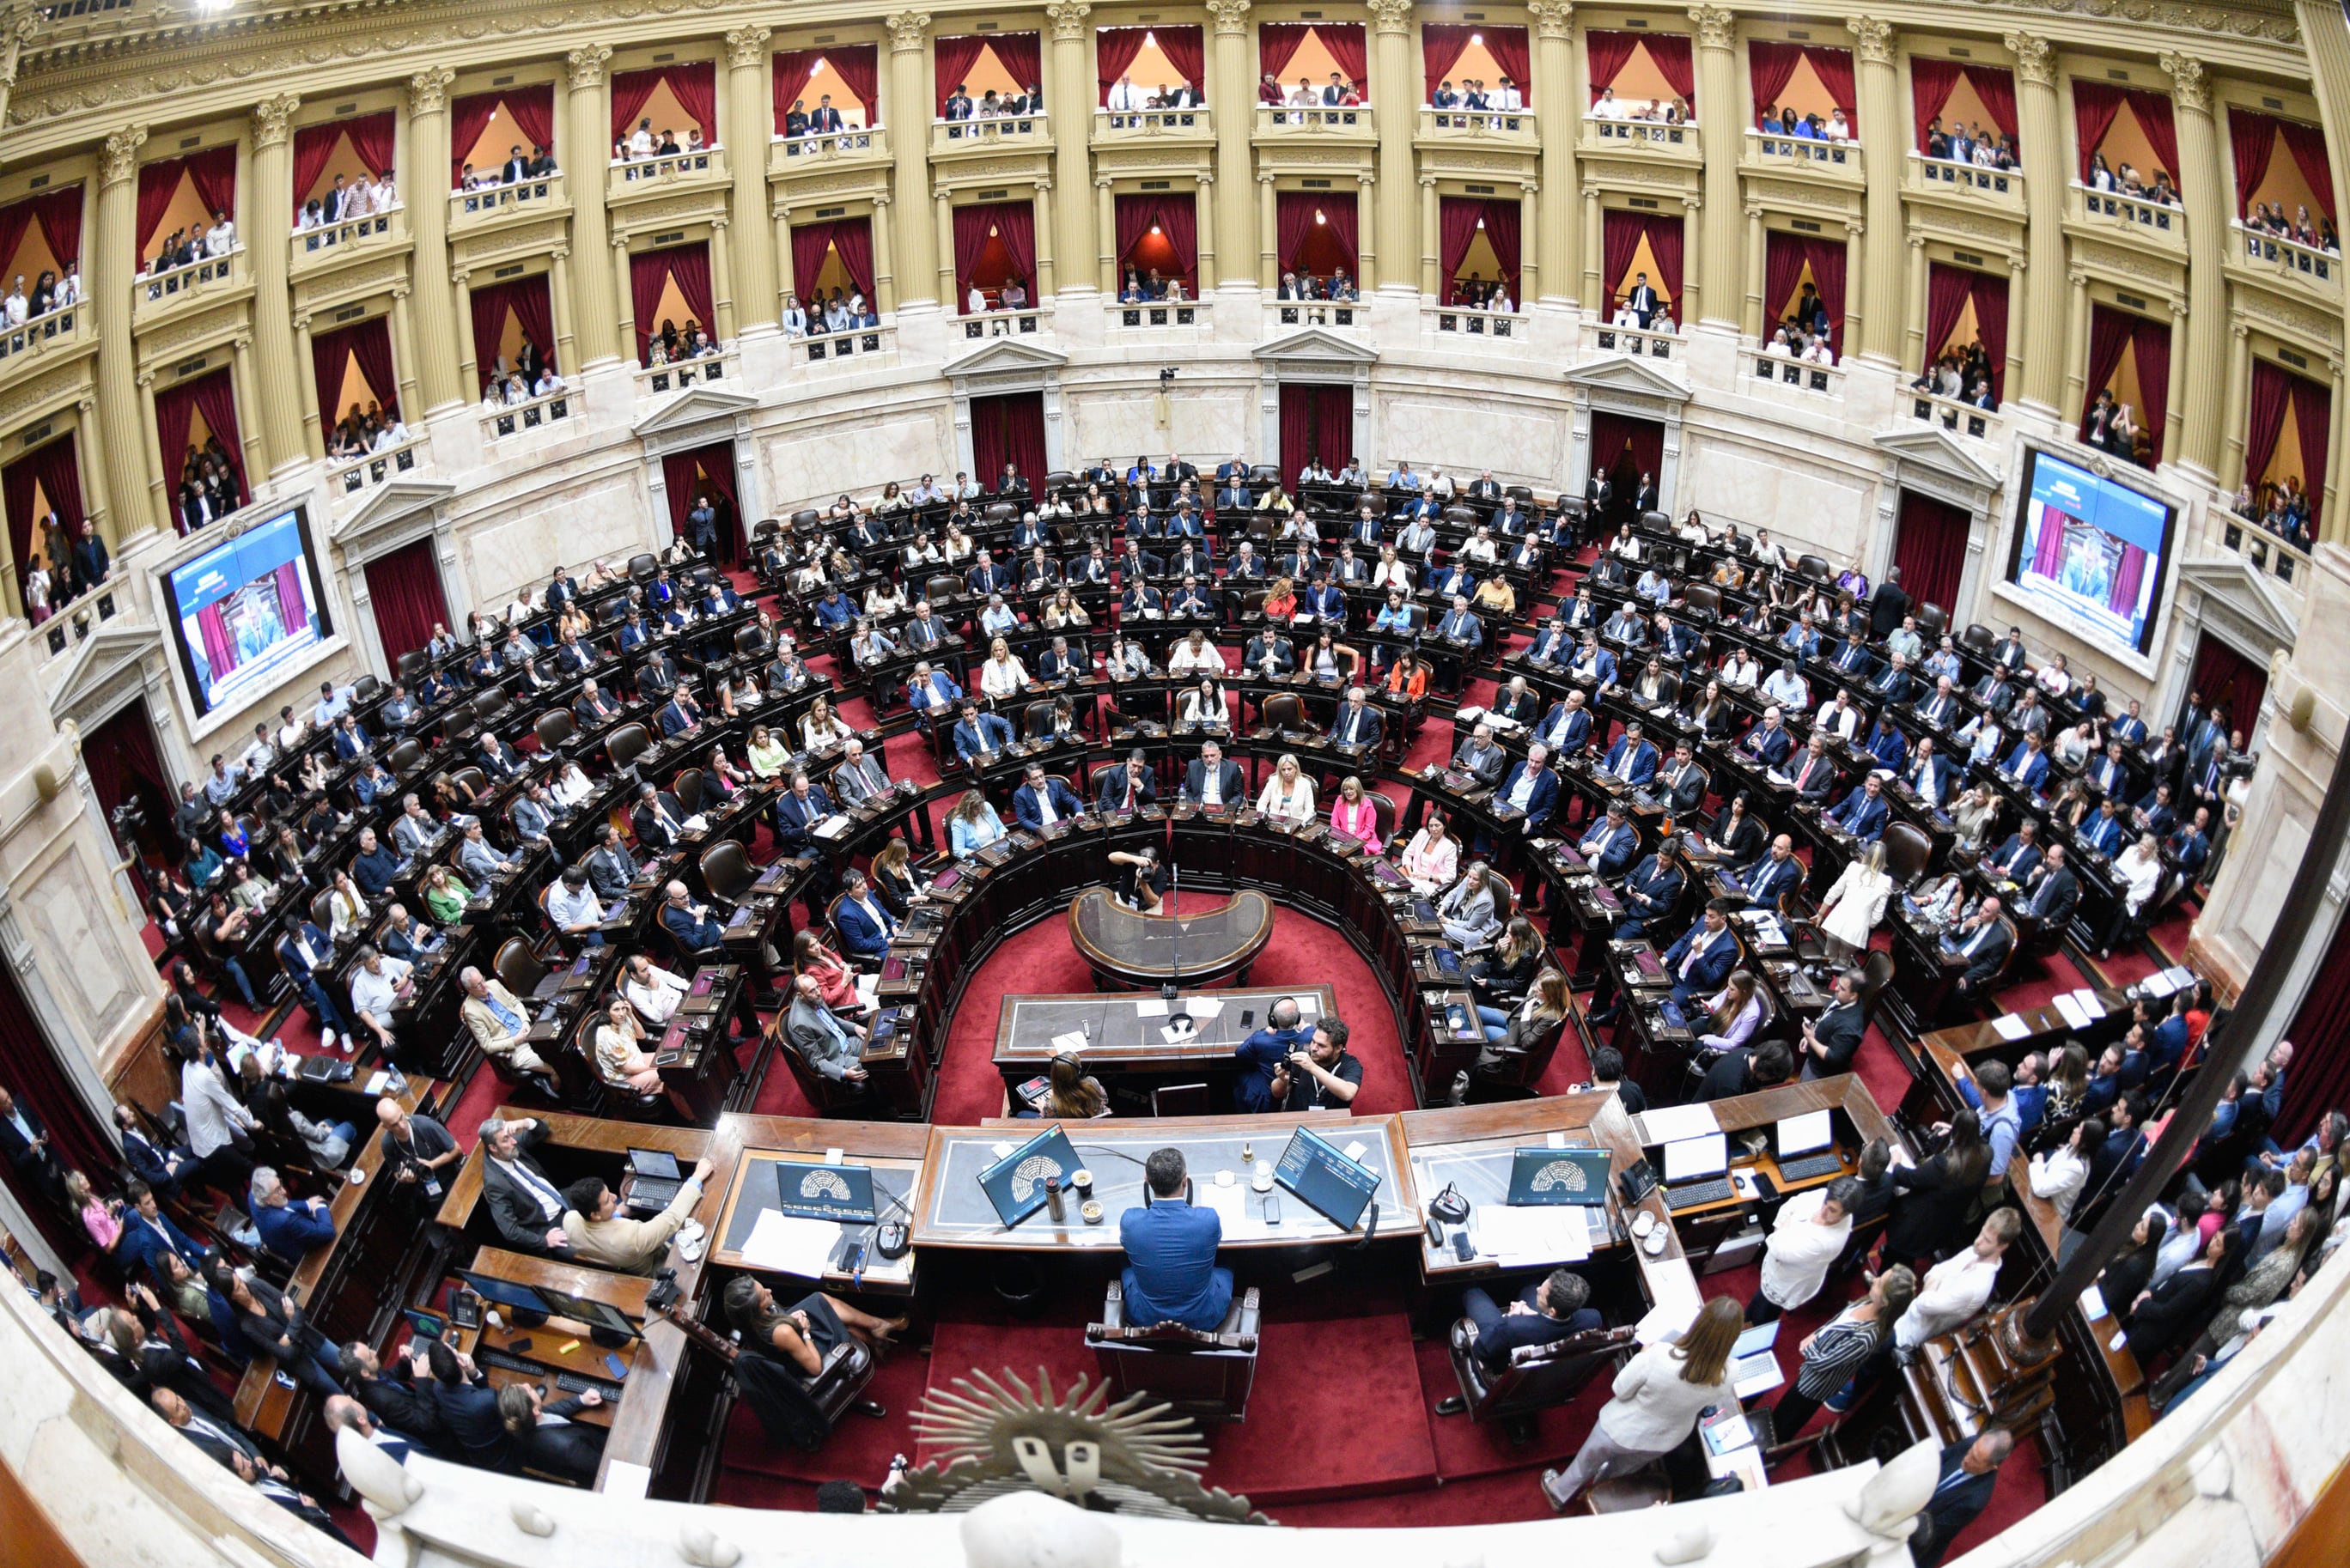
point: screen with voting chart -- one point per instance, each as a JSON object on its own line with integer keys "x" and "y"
{"x": 842, "y": 1192}
{"x": 1540, "y": 1176}
{"x": 1016, "y": 1184}
{"x": 1325, "y": 1179}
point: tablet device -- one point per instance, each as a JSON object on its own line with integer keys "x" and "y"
{"x": 1325, "y": 1179}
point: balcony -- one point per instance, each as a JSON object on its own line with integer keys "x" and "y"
{"x": 43, "y": 334}
{"x": 1158, "y": 318}
{"x": 797, "y": 154}
{"x": 355, "y": 478}
{"x": 856, "y": 343}
{"x": 2001, "y": 189}
{"x": 513, "y": 419}
{"x": 314, "y": 249}
{"x": 1513, "y": 128}
{"x": 1460, "y": 321}
{"x": 1776, "y": 373}
{"x": 1638, "y": 138}
{"x": 1002, "y": 133}
{"x": 1768, "y": 152}
{"x": 485, "y": 205}
{"x": 155, "y": 294}
{"x": 1959, "y": 418}
{"x": 1153, "y": 127}
{"x": 709, "y": 370}
{"x": 1003, "y": 324}
{"x": 2162, "y": 225}
{"x": 1632, "y": 341}
{"x": 634, "y": 179}
{"x": 2274, "y": 558}
{"x": 2303, "y": 269}
{"x": 1289, "y": 314}
{"x": 1342, "y": 124}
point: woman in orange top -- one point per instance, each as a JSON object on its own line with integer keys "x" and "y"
{"x": 1409, "y": 678}
{"x": 1281, "y": 601}
{"x": 835, "y": 980}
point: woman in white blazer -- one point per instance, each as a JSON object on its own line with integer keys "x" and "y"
{"x": 1848, "y": 915}
{"x": 1658, "y": 1397}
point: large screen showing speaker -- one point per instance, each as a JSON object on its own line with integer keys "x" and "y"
{"x": 248, "y": 611}
{"x": 2090, "y": 554}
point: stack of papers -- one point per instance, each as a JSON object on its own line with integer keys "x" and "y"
{"x": 1074, "y": 1040}
{"x": 790, "y": 1245}
{"x": 2158, "y": 985}
{"x": 2087, "y": 999}
{"x": 2069, "y": 1009}
{"x": 2009, "y": 1026}
{"x": 1542, "y": 1233}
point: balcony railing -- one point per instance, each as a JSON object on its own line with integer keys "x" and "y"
{"x": 1942, "y": 174}
{"x": 1030, "y": 131}
{"x": 855, "y": 343}
{"x": 1958, "y": 418}
{"x": 1459, "y": 320}
{"x": 2167, "y": 219}
{"x": 1777, "y": 372}
{"x": 523, "y": 197}
{"x": 51, "y": 329}
{"x": 786, "y": 153}
{"x": 1638, "y": 136}
{"x": 152, "y": 290}
{"x": 513, "y": 419}
{"x": 1634, "y": 341}
{"x": 2265, "y": 552}
{"x": 1158, "y": 314}
{"x": 2319, "y": 271}
{"x": 1145, "y": 124}
{"x": 1003, "y": 324}
{"x": 360, "y": 475}
{"x": 706, "y": 370}
{"x": 352, "y": 233}
{"x": 1305, "y": 120}
{"x": 1507, "y": 125}
{"x": 1782, "y": 151}
{"x": 1283, "y": 314}
{"x": 648, "y": 176}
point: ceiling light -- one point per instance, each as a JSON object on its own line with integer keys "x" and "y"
{"x": 1318, "y": 217}
{"x": 1477, "y": 39}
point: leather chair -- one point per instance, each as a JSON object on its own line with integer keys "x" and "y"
{"x": 1179, "y": 1100}
{"x": 1197, "y": 1373}
{"x": 1253, "y": 603}
{"x": 687, "y": 788}
{"x": 749, "y": 642}
{"x": 1037, "y": 720}
{"x": 807, "y": 520}
{"x": 1524, "y": 493}
{"x": 1875, "y": 974}
{"x": 1977, "y": 640}
{"x": 322, "y": 913}
{"x": 404, "y": 756}
{"x": 1458, "y": 516}
{"x": 1654, "y": 523}
{"x": 1000, "y": 511}
{"x": 412, "y": 666}
{"x": 828, "y": 1095}
{"x": 727, "y": 871}
{"x": 489, "y": 704}
{"x": 472, "y": 779}
{"x": 553, "y": 728}
{"x": 1814, "y": 567}
{"x": 943, "y": 588}
{"x": 626, "y": 745}
{"x": 1384, "y": 811}
{"x": 366, "y": 689}
{"x": 1908, "y": 849}
{"x": 1704, "y": 598}
{"x": 1539, "y": 1377}
{"x": 1933, "y": 620}
{"x": 1520, "y": 1069}
{"x": 644, "y": 566}
{"x": 1506, "y": 899}
{"x": 518, "y": 969}
{"x": 1283, "y": 710}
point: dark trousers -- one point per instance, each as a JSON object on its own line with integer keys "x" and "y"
{"x": 1793, "y": 1414}
{"x": 1761, "y": 1309}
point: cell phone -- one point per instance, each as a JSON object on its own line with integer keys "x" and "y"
{"x": 1462, "y": 1247}
{"x": 519, "y": 1346}
{"x": 1271, "y": 1211}
{"x": 1248, "y": 1016}
{"x": 615, "y": 1366}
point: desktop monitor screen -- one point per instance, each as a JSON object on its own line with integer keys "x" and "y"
{"x": 1016, "y": 1184}
{"x": 1325, "y": 1179}
{"x": 1806, "y": 1134}
{"x": 594, "y": 1313}
{"x": 503, "y": 1292}
{"x": 2091, "y": 553}
{"x": 842, "y": 1192}
{"x": 1694, "y": 1158}
{"x": 246, "y": 611}
{"x": 1559, "y": 1176}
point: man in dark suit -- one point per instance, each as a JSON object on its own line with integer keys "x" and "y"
{"x": 978, "y": 734}
{"x": 1704, "y": 956}
{"x": 865, "y": 926}
{"x": 1969, "y": 1474}
{"x": 798, "y": 811}
{"x": 1642, "y": 300}
{"x": 1649, "y": 894}
{"x": 1611, "y": 843}
{"x": 525, "y": 1205}
{"x": 2019, "y": 856}
{"x": 1833, "y": 1039}
{"x": 2052, "y": 893}
{"x": 1813, "y": 774}
{"x": 1887, "y": 605}
{"x": 1480, "y": 758}
{"x": 468, "y": 1408}
{"x": 1684, "y": 781}
{"x": 24, "y": 1142}
{"x": 391, "y": 1396}
{"x": 610, "y": 866}
{"x": 1532, "y": 788}
{"x": 1773, "y": 876}
{"x": 659, "y": 819}
{"x": 1552, "y": 1308}
{"x": 1041, "y": 802}
{"x": 552, "y": 1442}
{"x": 1170, "y": 1248}
{"x": 1126, "y": 786}
{"x": 690, "y": 922}
{"x": 1770, "y": 743}
{"x": 1863, "y": 813}
{"x": 1230, "y": 785}
{"x": 1357, "y": 723}
{"x": 1631, "y": 758}
{"x": 1979, "y": 945}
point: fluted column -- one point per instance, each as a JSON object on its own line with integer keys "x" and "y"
{"x": 1558, "y": 111}
{"x": 1395, "y": 102}
{"x": 439, "y": 333}
{"x": 266, "y": 224}
{"x": 314, "y": 435}
{"x": 114, "y": 263}
{"x": 2202, "y": 190}
{"x": 1723, "y": 122}
{"x": 1232, "y": 102}
{"x": 2040, "y": 129}
{"x": 1069, "y": 95}
{"x": 750, "y": 125}
{"x": 910, "y": 142}
{"x": 2326, "y": 35}
{"x": 585, "y": 161}
{"x": 1879, "y": 91}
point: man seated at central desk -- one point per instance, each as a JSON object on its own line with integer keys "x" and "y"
{"x": 1170, "y": 1247}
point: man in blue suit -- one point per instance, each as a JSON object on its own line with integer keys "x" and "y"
{"x": 1863, "y": 813}
{"x": 1770, "y": 741}
{"x": 148, "y": 1233}
{"x": 1566, "y": 728}
{"x": 1357, "y": 723}
{"x": 1649, "y": 894}
{"x": 1704, "y": 956}
{"x": 2019, "y": 856}
{"x": 304, "y": 952}
{"x": 1611, "y": 843}
{"x": 931, "y": 691}
{"x": 1631, "y": 758}
{"x": 865, "y": 927}
{"x": 1773, "y": 877}
{"x": 292, "y": 1230}
{"x": 1553, "y": 1308}
{"x": 1171, "y": 1274}
{"x": 1265, "y": 1053}
{"x": 1041, "y": 801}
{"x": 798, "y": 811}
{"x": 2027, "y": 765}
{"x": 1594, "y": 662}
{"x": 979, "y": 734}
{"x": 1928, "y": 775}
{"x": 1532, "y": 788}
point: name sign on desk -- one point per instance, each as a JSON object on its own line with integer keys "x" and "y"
{"x": 1015, "y": 1183}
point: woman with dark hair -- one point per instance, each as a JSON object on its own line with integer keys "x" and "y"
{"x": 804, "y": 1333}
{"x": 2125, "y": 1278}
{"x": 1929, "y": 1214}
{"x": 1658, "y": 1397}
{"x": 1741, "y": 834}
{"x": 2157, "y": 1320}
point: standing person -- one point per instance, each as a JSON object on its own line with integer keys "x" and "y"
{"x": 1836, "y": 1352}
{"x": 1805, "y": 1240}
{"x": 1969, "y": 1476}
{"x": 1659, "y": 1397}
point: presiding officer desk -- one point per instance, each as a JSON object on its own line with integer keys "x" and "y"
{"x": 1125, "y": 1034}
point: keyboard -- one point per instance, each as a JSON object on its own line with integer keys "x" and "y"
{"x": 1697, "y": 1192}
{"x": 572, "y": 1382}
{"x": 505, "y": 1362}
{"x": 1811, "y": 1167}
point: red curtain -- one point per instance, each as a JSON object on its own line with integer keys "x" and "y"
{"x": 953, "y": 59}
{"x": 792, "y": 71}
{"x": 2225, "y": 679}
{"x": 54, "y": 470}
{"x": 1995, "y": 85}
{"x": 1510, "y": 51}
{"x": 1442, "y": 45}
{"x": 631, "y": 90}
{"x": 1012, "y": 224}
{"x": 175, "y": 410}
{"x": 1610, "y": 52}
{"x": 1176, "y": 219}
{"x": 369, "y": 342}
{"x": 811, "y": 242}
{"x": 1784, "y": 258}
{"x": 29, "y": 1066}
{"x": 59, "y": 216}
{"x": 16, "y": 485}
{"x": 705, "y": 470}
{"x": 1348, "y": 46}
{"x": 468, "y": 117}
{"x": 2273, "y": 388}
{"x": 2307, "y": 145}
{"x": 2252, "y": 140}
{"x": 220, "y": 649}
{"x": 214, "y": 173}
{"x": 696, "y": 87}
{"x": 121, "y": 756}
{"x": 650, "y": 274}
{"x": 1459, "y": 218}
{"x": 1008, "y": 429}
{"x": 314, "y": 149}
{"x": 2153, "y": 111}
{"x": 1931, "y": 82}
{"x": 2319, "y": 1079}
{"x": 525, "y": 297}
{"x": 372, "y": 138}
{"x": 1294, "y": 226}
{"x": 1277, "y": 44}
{"x": 291, "y": 606}
{"x": 2150, "y": 346}
{"x": 1187, "y": 51}
{"x": 2096, "y": 106}
{"x": 1946, "y": 291}
{"x": 1931, "y": 549}
{"x": 1115, "y": 50}
{"x": 1835, "y": 68}
{"x": 1315, "y": 422}
{"x": 859, "y": 71}
{"x": 1771, "y": 66}
{"x": 1621, "y": 233}
{"x": 533, "y": 108}
{"x": 404, "y": 587}
{"x": 2313, "y": 411}
{"x": 2110, "y": 333}
{"x": 1991, "y": 319}
{"x": 1670, "y": 51}
{"x": 1615, "y": 435}
{"x": 1021, "y": 55}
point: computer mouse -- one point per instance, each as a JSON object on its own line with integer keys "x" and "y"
{"x": 891, "y": 1240}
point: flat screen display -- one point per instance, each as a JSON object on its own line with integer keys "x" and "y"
{"x": 2091, "y": 553}
{"x": 1323, "y": 1178}
{"x": 246, "y": 612}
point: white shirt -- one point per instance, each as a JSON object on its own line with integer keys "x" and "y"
{"x": 640, "y": 144}
{"x": 210, "y": 1108}
{"x": 1953, "y": 1290}
{"x": 373, "y": 994}
{"x": 1796, "y": 1259}
{"x": 655, "y": 999}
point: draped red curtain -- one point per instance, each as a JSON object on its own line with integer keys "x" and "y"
{"x": 1442, "y": 45}
{"x": 1771, "y": 66}
{"x": 1947, "y": 290}
{"x": 2153, "y": 111}
{"x": 860, "y": 68}
{"x": 1012, "y": 224}
{"x": 1834, "y": 67}
{"x": 1510, "y": 51}
{"x": 1608, "y": 52}
{"x": 30, "y": 1067}
{"x": 1022, "y": 56}
{"x": 2096, "y": 106}
{"x": 373, "y": 140}
{"x": 1615, "y": 435}
{"x": 1931, "y": 549}
{"x": 2252, "y": 141}
{"x": 1008, "y": 429}
{"x": 1176, "y": 219}
{"x": 121, "y": 756}
{"x": 2273, "y": 388}
{"x": 1293, "y": 228}
{"x": 15, "y": 221}
{"x": 157, "y": 183}
{"x": 1989, "y": 295}
{"x": 2110, "y": 335}
{"x": 404, "y": 587}
{"x": 1277, "y": 44}
{"x": 2319, "y": 1078}
{"x": 367, "y": 341}
{"x": 1348, "y": 46}
{"x": 1784, "y": 258}
{"x": 650, "y": 273}
{"x": 213, "y": 173}
{"x": 59, "y": 216}
{"x": 1995, "y": 85}
{"x": 1315, "y": 422}
{"x": 1827, "y": 259}
{"x": 468, "y": 117}
{"x": 1334, "y": 424}
{"x": 1620, "y": 237}
{"x": 705, "y": 471}
{"x": 291, "y": 608}
{"x": 696, "y": 87}
{"x": 1296, "y": 430}
{"x": 526, "y": 298}
{"x": 1670, "y": 51}
{"x": 314, "y": 149}
{"x": 16, "y": 496}
{"x": 1187, "y": 50}
{"x": 54, "y": 471}
{"x": 1459, "y": 218}
{"x": 533, "y": 108}
{"x": 811, "y": 242}
{"x": 953, "y": 57}
{"x": 2150, "y": 346}
{"x": 631, "y": 90}
{"x": 1932, "y": 83}
{"x": 2307, "y": 145}
{"x": 2225, "y": 679}
{"x": 1115, "y": 50}
{"x": 2313, "y": 411}
{"x": 175, "y": 410}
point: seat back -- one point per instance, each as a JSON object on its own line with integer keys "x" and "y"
{"x": 413, "y": 664}
{"x": 405, "y": 755}
{"x": 688, "y": 787}
{"x": 1933, "y": 620}
{"x": 1977, "y": 640}
{"x": 554, "y": 727}
{"x": 1384, "y": 809}
{"x": 1814, "y": 567}
{"x": 489, "y": 704}
{"x": 644, "y": 566}
{"x": 1704, "y": 598}
{"x": 1283, "y": 710}
{"x": 726, "y": 870}
{"x": 942, "y": 588}
{"x": 1875, "y": 976}
{"x": 750, "y": 640}
{"x": 366, "y": 689}
{"x": 1907, "y": 850}
{"x": 1525, "y": 1069}
{"x": 626, "y": 745}
{"x": 322, "y": 909}
{"x": 518, "y": 969}
{"x": 1201, "y": 1374}
{"x": 1179, "y": 1100}
{"x": 1037, "y": 720}
{"x": 1505, "y": 898}
{"x": 472, "y": 779}
{"x": 1654, "y": 523}
{"x": 1539, "y": 1377}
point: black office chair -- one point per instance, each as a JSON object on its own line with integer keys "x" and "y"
{"x": 1538, "y": 1378}
{"x": 1179, "y": 1100}
{"x": 366, "y": 689}
{"x": 1933, "y": 620}
{"x": 624, "y": 745}
{"x": 727, "y": 871}
{"x": 405, "y": 756}
{"x": 520, "y": 970}
{"x": 412, "y": 666}
{"x": 1206, "y": 1375}
{"x": 553, "y": 728}
{"x": 1283, "y": 712}
{"x": 1907, "y": 850}
{"x": 644, "y": 566}
{"x": 689, "y": 788}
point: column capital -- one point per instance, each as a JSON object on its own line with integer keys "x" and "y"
{"x": 2035, "y": 59}
{"x": 1551, "y": 18}
{"x": 1873, "y": 40}
{"x": 586, "y": 66}
{"x": 1231, "y": 16}
{"x": 908, "y": 30}
{"x": 118, "y": 160}
{"x": 746, "y": 46}
{"x": 273, "y": 120}
{"x": 1717, "y": 25}
{"x": 2188, "y": 85}
{"x": 1068, "y": 19}
{"x": 428, "y": 90}
{"x": 1391, "y": 16}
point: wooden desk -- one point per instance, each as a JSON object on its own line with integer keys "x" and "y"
{"x": 1126, "y": 947}
{"x": 607, "y": 1141}
{"x": 1121, "y": 1039}
{"x": 1470, "y": 1147}
{"x": 1703, "y": 1226}
{"x": 561, "y": 1344}
{"x": 759, "y": 1145}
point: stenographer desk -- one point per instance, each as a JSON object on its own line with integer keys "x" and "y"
{"x": 1125, "y": 1034}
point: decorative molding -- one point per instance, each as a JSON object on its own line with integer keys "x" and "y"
{"x": 2187, "y": 85}
{"x": 1551, "y": 18}
{"x": 1873, "y": 40}
{"x": 56, "y": 385}
{"x": 909, "y": 31}
{"x": 1231, "y": 16}
{"x": 2125, "y": 261}
{"x": 2308, "y": 326}
{"x": 1068, "y": 19}
{"x": 1717, "y": 25}
{"x": 746, "y": 46}
{"x": 273, "y": 120}
{"x": 479, "y": 252}
{"x": 1391, "y": 17}
{"x": 586, "y": 67}
{"x": 119, "y": 159}
{"x": 428, "y": 91}
{"x": 2035, "y": 59}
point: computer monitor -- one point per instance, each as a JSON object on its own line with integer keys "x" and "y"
{"x": 504, "y": 1293}
{"x": 1695, "y": 1158}
{"x": 842, "y": 1192}
{"x": 596, "y": 1315}
{"x": 1325, "y": 1179}
{"x": 1559, "y": 1176}
{"x": 1806, "y": 1134}
{"x": 1016, "y": 1184}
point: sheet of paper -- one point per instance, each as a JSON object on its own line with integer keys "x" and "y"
{"x": 1550, "y": 1232}
{"x": 1671, "y": 1124}
{"x": 1074, "y": 1040}
{"x": 1204, "y": 1007}
{"x": 376, "y": 1080}
{"x": 2178, "y": 974}
{"x": 1002, "y": 1149}
{"x": 1554, "y": 1140}
{"x": 791, "y": 1245}
{"x": 2158, "y": 985}
{"x": 833, "y": 1156}
{"x": 2093, "y": 1303}
{"x": 1356, "y": 1151}
{"x": 1230, "y": 1203}
{"x": 1677, "y": 1302}
{"x": 1154, "y": 1008}
{"x": 2009, "y": 1026}
{"x": 1308, "y": 1006}
{"x": 2070, "y": 1011}
{"x": 2087, "y": 1001}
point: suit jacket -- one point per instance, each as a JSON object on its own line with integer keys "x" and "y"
{"x": 1712, "y": 968}
{"x": 829, "y": 1054}
{"x": 1232, "y": 787}
{"x": 567, "y": 1447}
{"x": 1171, "y": 1273}
{"x": 519, "y": 1218}
{"x": 1620, "y": 844}
{"x": 1954, "y": 1505}
{"x": 396, "y": 1402}
{"x": 1640, "y": 756}
{"x": 1539, "y": 803}
{"x": 1112, "y": 794}
{"x": 1689, "y": 792}
{"x": 1772, "y": 746}
{"x": 477, "y": 1436}
{"x": 652, "y": 832}
{"x": 1030, "y": 809}
{"x": 1988, "y": 955}
{"x": 794, "y": 817}
{"x": 1862, "y": 816}
{"x": 1357, "y": 726}
{"x": 1496, "y": 1341}
{"x": 2052, "y": 902}
{"x": 1768, "y": 880}
{"x": 860, "y": 933}
{"x": 1840, "y": 1028}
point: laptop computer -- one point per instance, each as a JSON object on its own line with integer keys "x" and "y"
{"x": 1806, "y": 1134}
{"x": 1698, "y": 1158}
{"x": 657, "y": 1179}
{"x": 1753, "y": 1368}
{"x": 1559, "y": 1176}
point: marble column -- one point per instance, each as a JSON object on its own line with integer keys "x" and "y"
{"x": 1722, "y": 123}
{"x": 909, "y": 143}
{"x": 1880, "y": 249}
{"x": 597, "y": 304}
{"x": 1232, "y": 100}
{"x": 2040, "y": 129}
{"x": 750, "y": 125}
{"x": 2203, "y": 192}
{"x": 2325, "y": 32}
{"x": 462, "y": 284}
{"x": 266, "y": 224}
{"x": 1558, "y": 112}
{"x": 728, "y": 326}
{"x": 114, "y": 267}
{"x": 1069, "y": 94}
{"x": 1395, "y": 104}
{"x": 2174, "y": 406}
{"x": 313, "y": 437}
{"x": 440, "y": 335}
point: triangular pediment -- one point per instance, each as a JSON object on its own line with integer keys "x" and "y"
{"x": 694, "y": 406}
{"x": 1624, "y": 373}
{"x": 1318, "y": 344}
{"x": 1935, "y": 448}
{"x": 387, "y": 505}
{"x": 2234, "y": 582}
{"x": 1007, "y": 355}
{"x": 99, "y": 664}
